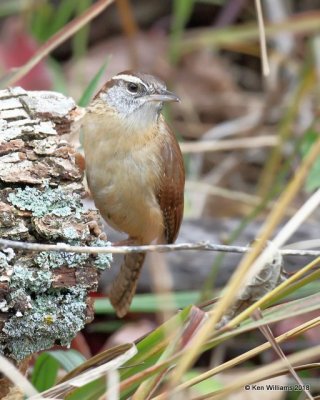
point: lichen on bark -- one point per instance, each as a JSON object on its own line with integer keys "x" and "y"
{"x": 43, "y": 296}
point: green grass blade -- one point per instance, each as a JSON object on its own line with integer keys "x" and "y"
{"x": 45, "y": 372}
{"x": 9, "y": 7}
{"x": 58, "y": 77}
{"x": 80, "y": 39}
{"x": 182, "y": 10}
{"x": 68, "y": 360}
{"x": 63, "y": 14}
{"x": 149, "y": 303}
{"x": 90, "y": 391}
{"x": 149, "y": 350}
{"x": 92, "y": 87}
{"x": 46, "y": 367}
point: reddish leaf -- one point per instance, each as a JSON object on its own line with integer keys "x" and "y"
{"x": 16, "y": 48}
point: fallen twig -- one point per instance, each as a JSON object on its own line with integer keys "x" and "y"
{"x": 229, "y": 144}
{"x": 161, "y": 248}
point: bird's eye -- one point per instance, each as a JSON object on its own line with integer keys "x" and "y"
{"x": 132, "y": 87}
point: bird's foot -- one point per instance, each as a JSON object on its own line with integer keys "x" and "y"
{"x": 96, "y": 230}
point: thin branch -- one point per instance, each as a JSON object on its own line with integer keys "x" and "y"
{"x": 248, "y": 199}
{"x": 233, "y": 127}
{"x": 161, "y": 248}
{"x": 230, "y": 144}
{"x": 208, "y": 189}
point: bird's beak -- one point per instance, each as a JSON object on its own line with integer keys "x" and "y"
{"x": 164, "y": 95}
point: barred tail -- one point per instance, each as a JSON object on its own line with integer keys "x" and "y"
{"x": 124, "y": 286}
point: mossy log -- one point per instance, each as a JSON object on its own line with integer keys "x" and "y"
{"x": 43, "y": 296}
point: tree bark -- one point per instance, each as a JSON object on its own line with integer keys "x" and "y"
{"x": 43, "y": 296}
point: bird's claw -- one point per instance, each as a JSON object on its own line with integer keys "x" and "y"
{"x": 96, "y": 230}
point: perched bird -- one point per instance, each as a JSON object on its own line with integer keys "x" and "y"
{"x": 134, "y": 169}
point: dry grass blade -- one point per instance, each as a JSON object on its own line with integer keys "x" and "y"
{"x": 265, "y": 299}
{"x": 88, "y": 376}
{"x": 272, "y": 165}
{"x": 140, "y": 376}
{"x": 237, "y": 278}
{"x": 290, "y": 227}
{"x": 266, "y": 331}
{"x": 12, "y": 373}
{"x": 71, "y": 28}
{"x": 133, "y": 381}
{"x": 181, "y": 340}
{"x": 243, "y": 357}
{"x": 262, "y": 38}
{"x": 97, "y": 360}
{"x": 280, "y": 239}
{"x": 130, "y": 28}
{"x": 299, "y": 23}
{"x": 262, "y": 373}
{"x": 113, "y": 382}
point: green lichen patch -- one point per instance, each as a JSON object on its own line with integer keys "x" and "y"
{"x": 20, "y": 348}
{"x": 50, "y": 259}
{"x": 49, "y": 201}
{"x": 54, "y": 318}
{"x": 70, "y": 233}
{"x": 3, "y": 261}
{"x": 102, "y": 261}
{"x": 33, "y": 280}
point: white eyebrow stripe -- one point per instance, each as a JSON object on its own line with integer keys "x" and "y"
{"x": 129, "y": 78}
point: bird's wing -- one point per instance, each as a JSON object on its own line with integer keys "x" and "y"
{"x": 170, "y": 191}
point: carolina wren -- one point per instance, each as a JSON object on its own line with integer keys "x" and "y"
{"x": 134, "y": 169}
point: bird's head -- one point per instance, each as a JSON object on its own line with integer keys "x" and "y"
{"x": 136, "y": 96}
